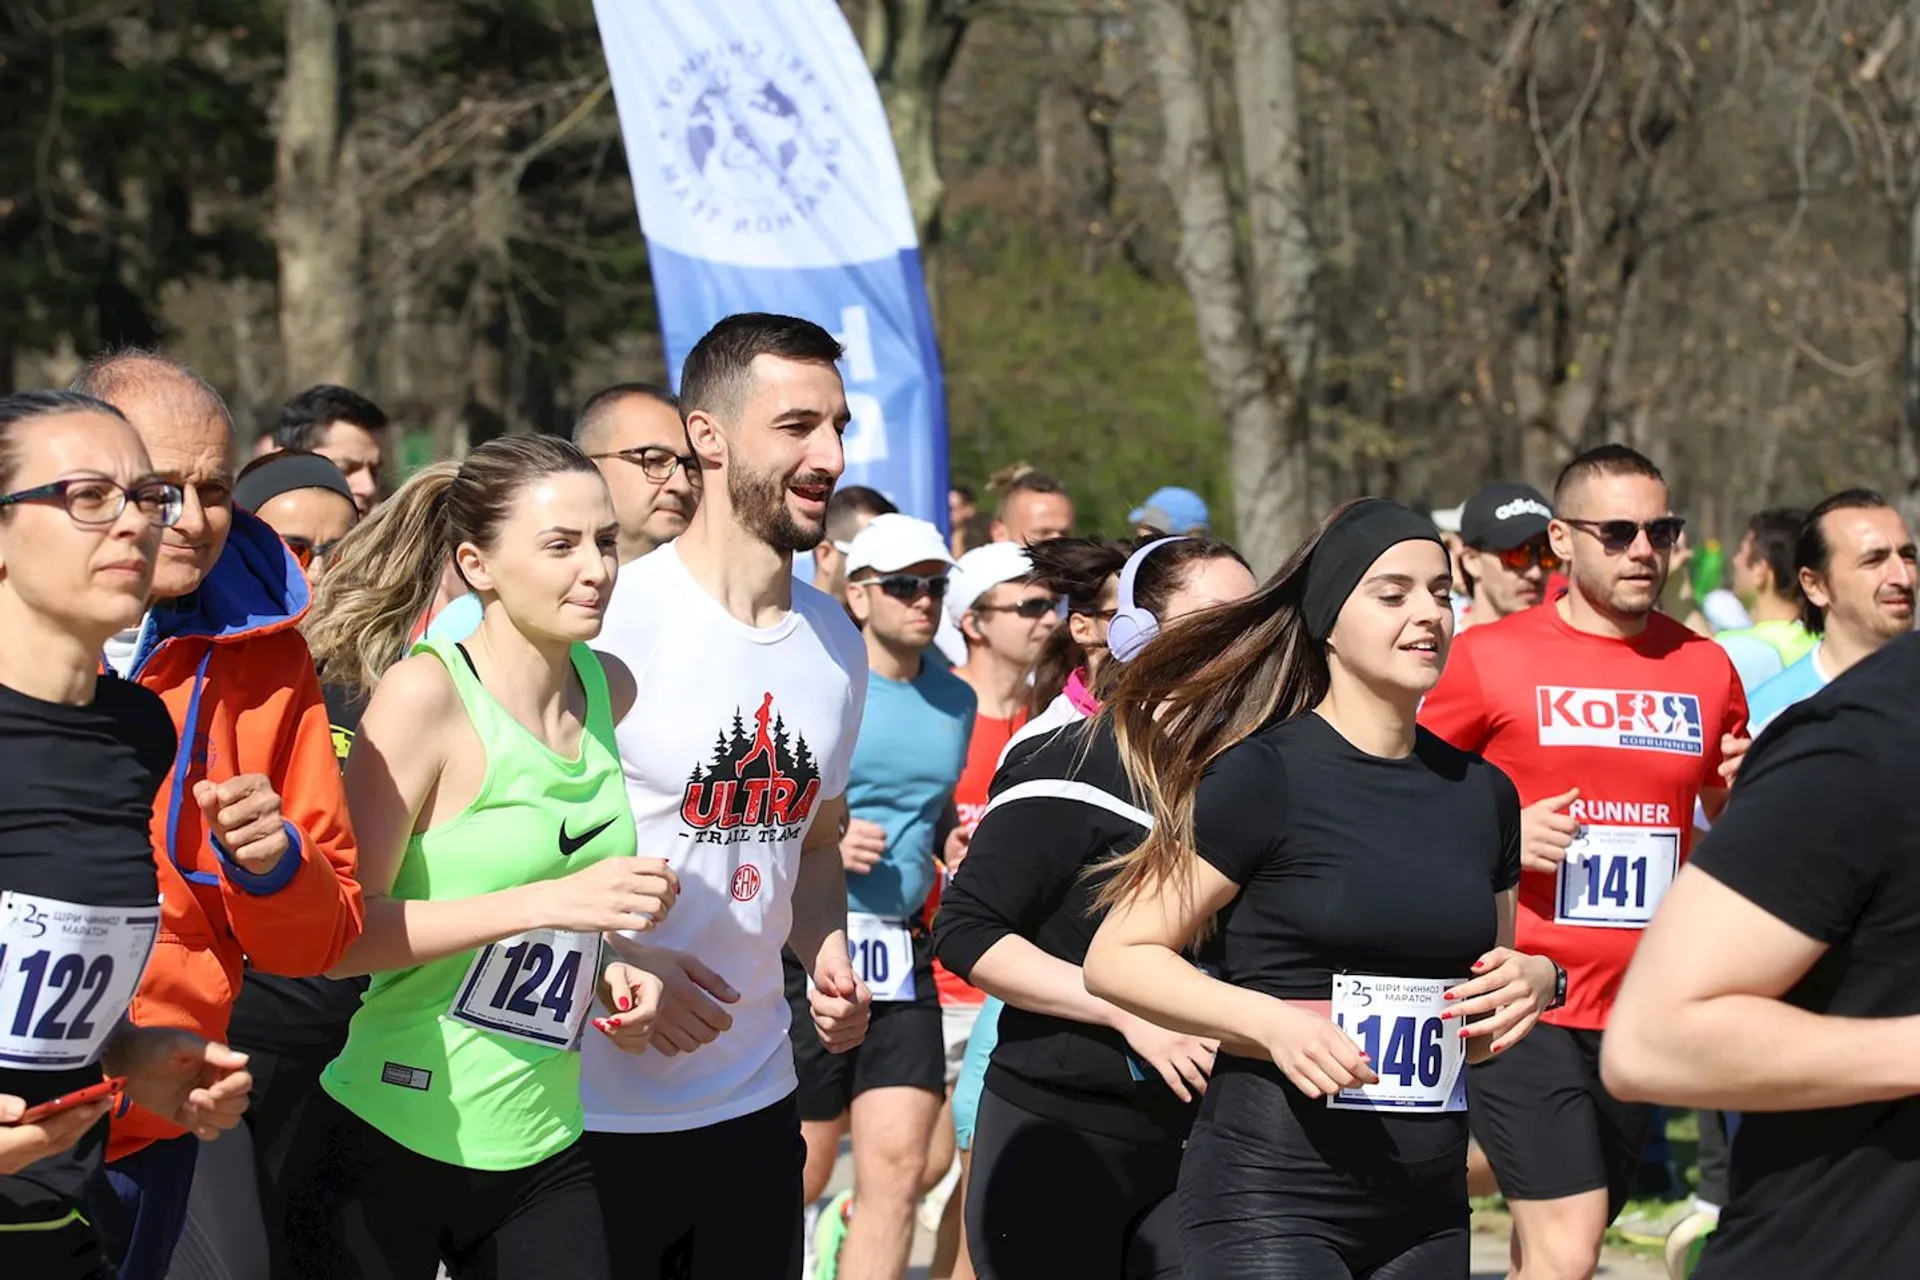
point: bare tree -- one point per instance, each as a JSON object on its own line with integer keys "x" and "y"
{"x": 318, "y": 226}
{"x": 910, "y": 47}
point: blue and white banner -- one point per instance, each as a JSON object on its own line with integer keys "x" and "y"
{"x": 767, "y": 181}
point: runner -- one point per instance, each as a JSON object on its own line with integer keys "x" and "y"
{"x": 1765, "y": 580}
{"x": 82, "y": 755}
{"x": 633, "y": 430}
{"x": 848, "y": 512}
{"x": 1612, "y": 719}
{"x": 1085, "y": 1106}
{"x": 913, "y": 746}
{"x": 1033, "y": 507}
{"x": 754, "y": 686}
{"x": 1003, "y": 620}
{"x": 345, "y": 428}
{"x": 289, "y": 1028}
{"x": 1778, "y": 980}
{"x": 1504, "y": 555}
{"x": 250, "y": 833}
{"x": 496, "y": 848}
{"x": 1363, "y": 871}
{"x": 1854, "y": 560}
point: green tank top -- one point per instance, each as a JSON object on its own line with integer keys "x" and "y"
{"x": 473, "y": 1059}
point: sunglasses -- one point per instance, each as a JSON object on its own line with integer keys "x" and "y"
{"x": 306, "y": 550}
{"x": 909, "y": 587}
{"x": 1527, "y": 555}
{"x": 1617, "y": 535}
{"x": 1032, "y": 610}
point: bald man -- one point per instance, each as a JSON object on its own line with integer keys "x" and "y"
{"x": 256, "y": 858}
{"x": 633, "y": 433}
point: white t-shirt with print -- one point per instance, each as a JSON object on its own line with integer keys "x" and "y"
{"x": 737, "y": 737}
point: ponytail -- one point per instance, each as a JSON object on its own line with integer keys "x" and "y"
{"x": 380, "y": 578}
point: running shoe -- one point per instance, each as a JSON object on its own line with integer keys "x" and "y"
{"x": 1651, "y": 1224}
{"x": 1688, "y": 1242}
{"x": 933, "y": 1205}
{"x": 828, "y": 1235}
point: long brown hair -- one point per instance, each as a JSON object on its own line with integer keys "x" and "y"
{"x": 384, "y": 573}
{"x": 1078, "y": 569}
{"x": 1203, "y": 685}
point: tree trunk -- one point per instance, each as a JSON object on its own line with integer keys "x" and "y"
{"x": 910, "y": 46}
{"x": 318, "y": 222}
{"x": 1270, "y": 506}
{"x": 1907, "y": 449}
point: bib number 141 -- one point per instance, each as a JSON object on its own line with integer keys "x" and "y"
{"x": 1614, "y": 877}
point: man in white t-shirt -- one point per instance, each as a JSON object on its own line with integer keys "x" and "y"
{"x": 751, "y": 689}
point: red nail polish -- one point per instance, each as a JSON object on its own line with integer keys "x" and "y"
{"x": 1497, "y": 1048}
{"x": 624, "y": 1004}
{"x": 1463, "y": 1033}
{"x": 1449, "y": 995}
{"x": 1478, "y": 965}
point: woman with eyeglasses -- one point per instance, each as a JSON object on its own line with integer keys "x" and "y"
{"x": 82, "y": 755}
{"x": 290, "y": 1028}
{"x": 1076, "y": 1145}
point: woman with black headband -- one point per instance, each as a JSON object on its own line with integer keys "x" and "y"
{"x": 1363, "y": 874}
{"x": 1078, "y": 1133}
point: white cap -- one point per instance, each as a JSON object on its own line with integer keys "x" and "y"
{"x": 1447, "y": 519}
{"x": 981, "y": 570}
{"x": 891, "y": 542}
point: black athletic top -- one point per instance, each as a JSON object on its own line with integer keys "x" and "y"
{"x": 307, "y": 1016}
{"x": 77, "y": 787}
{"x": 1823, "y": 832}
{"x": 1056, "y": 807}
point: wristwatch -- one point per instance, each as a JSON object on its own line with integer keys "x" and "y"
{"x": 1559, "y": 985}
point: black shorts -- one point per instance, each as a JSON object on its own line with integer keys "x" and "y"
{"x": 905, "y": 1044}
{"x": 719, "y": 1202}
{"x": 1548, "y": 1126}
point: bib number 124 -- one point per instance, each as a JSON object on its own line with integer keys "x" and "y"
{"x": 534, "y": 986}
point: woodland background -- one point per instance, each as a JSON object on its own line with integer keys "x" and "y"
{"x": 1283, "y": 251}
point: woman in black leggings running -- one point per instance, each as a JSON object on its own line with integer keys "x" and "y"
{"x": 1085, "y": 1106}
{"x": 1362, "y": 871}
{"x": 82, "y": 755}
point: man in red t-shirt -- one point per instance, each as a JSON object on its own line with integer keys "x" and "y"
{"x": 1611, "y": 719}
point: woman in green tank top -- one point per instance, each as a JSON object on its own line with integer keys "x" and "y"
{"x": 496, "y": 847}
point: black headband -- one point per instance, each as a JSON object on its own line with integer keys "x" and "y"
{"x": 279, "y": 473}
{"x": 1349, "y": 548}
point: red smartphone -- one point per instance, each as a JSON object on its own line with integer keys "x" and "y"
{"x": 68, "y": 1101}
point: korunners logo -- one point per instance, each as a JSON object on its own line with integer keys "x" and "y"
{"x": 757, "y": 779}
{"x": 1631, "y": 719}
{"x": 751, "y": 140}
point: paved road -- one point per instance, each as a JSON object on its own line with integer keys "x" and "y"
{"x": 1489, "y": 1251}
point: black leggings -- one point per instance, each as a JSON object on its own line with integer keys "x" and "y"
{"x": 1276, "y": 1186}
{"x": 1046, "y": 1199}
{"x": 371, "y": 1209}
{"x": 236, "y": 1214}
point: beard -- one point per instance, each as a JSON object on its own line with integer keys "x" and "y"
{"x": 760, "y": 504}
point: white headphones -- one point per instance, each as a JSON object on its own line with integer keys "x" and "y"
{"x": 1132, "y": 626}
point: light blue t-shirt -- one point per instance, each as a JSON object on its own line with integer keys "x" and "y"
{"x": 912, "y": 748}
{"x": 1796, "y": 684}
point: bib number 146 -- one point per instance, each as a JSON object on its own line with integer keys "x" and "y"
{"x": 1415, "y": 1052}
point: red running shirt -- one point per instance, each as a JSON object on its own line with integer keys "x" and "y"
{"x": 990, "y": 738}
{"x": 1636, "y": 726}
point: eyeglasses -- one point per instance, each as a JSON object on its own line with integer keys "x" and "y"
{"x": 1528, "y": 554}
{"x": 94, "y": 501}
{"x": 1617, "y": 535}
{"x": 909, "y": 587}
{"x": 306, "y": 550}
{"x": 1032, "y": 610}
{"x": 655, "y": 463}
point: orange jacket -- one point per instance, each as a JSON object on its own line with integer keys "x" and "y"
{"x": 239, "y": 681}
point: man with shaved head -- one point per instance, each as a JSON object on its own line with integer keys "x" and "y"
{"x": 250, "y": 833}
{"x": 754, "y": 686}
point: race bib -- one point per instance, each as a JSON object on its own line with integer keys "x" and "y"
{"x": 882, "y": 952}
{"x": 535, "y": 986}
{"x": 67, "y": 974}
{"x": 1614, "y": 877}
{"x": 1417, "y": 1054}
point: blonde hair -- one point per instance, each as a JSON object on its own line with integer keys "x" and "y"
{"x": 384, "y": 573}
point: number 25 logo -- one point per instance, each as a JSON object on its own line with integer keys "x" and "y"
{"x": 1361, "y": 995}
